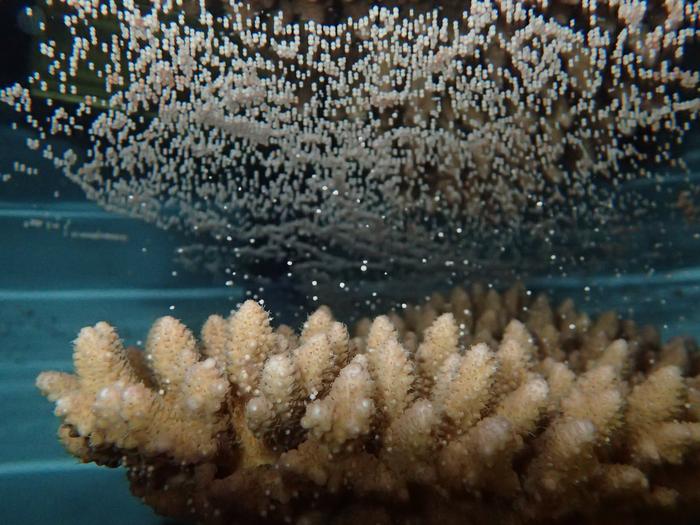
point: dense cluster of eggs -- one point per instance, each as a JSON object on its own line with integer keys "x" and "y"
{"x": 282, "y": 133}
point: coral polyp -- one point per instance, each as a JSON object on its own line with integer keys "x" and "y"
{"x": 472, "y": 408}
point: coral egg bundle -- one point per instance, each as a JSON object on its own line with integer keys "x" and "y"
{"x": 344, "y": 132}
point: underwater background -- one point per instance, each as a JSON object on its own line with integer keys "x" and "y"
{"x": 66, "y": 263}
{"x": 54, "y": 280}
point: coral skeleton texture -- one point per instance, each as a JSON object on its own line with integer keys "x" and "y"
{"x": 473, "y": 408}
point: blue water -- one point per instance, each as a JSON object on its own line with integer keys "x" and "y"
{"x": 55, "y": 279}
{"x": 50, "y": 286}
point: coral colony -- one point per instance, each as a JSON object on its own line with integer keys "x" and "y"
{"x": 478, "y": 408}
{"x": 324, "y": 134}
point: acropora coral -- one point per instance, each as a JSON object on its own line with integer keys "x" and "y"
{"x": 479, "y": 407}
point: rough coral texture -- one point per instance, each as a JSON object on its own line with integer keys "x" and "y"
{"x": 477, "y": 407}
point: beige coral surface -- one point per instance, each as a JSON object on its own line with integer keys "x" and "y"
{"x": 473, "y": 408}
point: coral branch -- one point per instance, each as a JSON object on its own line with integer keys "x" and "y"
{"x": 559, "y": 418}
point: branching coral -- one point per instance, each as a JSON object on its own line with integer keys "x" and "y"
{"x": 480, "y": 406}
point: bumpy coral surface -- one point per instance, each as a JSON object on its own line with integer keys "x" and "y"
{"x": 481, "y": 407}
